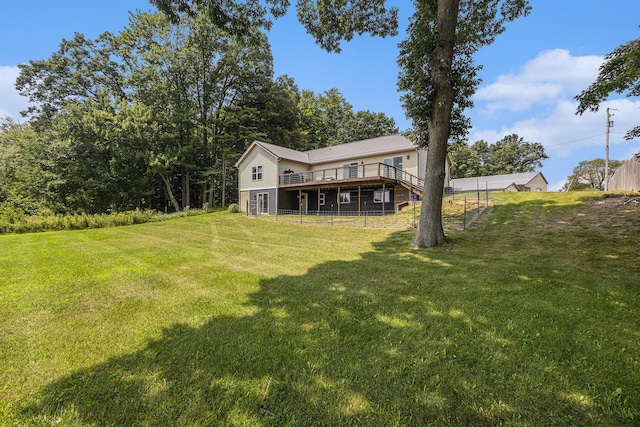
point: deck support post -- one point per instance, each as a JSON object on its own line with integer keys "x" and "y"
{"x": 384, "y": 203}
{"x": 300, "y": 204}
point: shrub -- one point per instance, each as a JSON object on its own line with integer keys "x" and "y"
{"x": 15, "y": 220}
{"x": 234, "y": 208}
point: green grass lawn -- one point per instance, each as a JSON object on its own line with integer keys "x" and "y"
{"x": 531, "y": 317}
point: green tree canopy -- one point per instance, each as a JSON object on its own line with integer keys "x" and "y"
{"x": 329, "y": 119}
{"x": 328, "y": 21}
{"x": 512, "y": 154}
{"x": 590, "y": 175}
{"x": 28, "y": 178}
{"x": 157, "y": 114}
{"x": 620, "y": 73}
{"x": 186, "y": 94}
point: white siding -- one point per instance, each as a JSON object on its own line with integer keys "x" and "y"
{"x": 291, "y": 165}
{"x": 257, "y": 157}
{"x": 410, "y": 165}
{"x": 422, "y": 164}
{"x": 537, "y": 184}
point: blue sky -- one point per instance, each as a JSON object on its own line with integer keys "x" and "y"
{"x": 530, "y": 75}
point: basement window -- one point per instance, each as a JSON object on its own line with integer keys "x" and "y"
{"x": 377, "y": 196}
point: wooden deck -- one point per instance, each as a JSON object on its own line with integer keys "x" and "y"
{"x": 363, "y": 174}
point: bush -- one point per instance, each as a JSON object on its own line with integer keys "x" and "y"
{"x": 15, "y": 220}
{"x": 234, "y": 208}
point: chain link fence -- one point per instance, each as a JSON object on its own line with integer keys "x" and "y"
{"x": 458, "y": 212}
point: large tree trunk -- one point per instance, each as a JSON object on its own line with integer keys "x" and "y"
{"x": 430, "y": 232}
{"x": 224, "y": 181}
{"x": 211, "y": 191}
{"x": 186, "y": 188}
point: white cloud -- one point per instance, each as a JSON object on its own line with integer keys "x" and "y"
{"x": 552, "y": 75}
{"x": 11, "y": 102}
{"x": 562, "y": 132}
{"x": 557, "y": 186}
{"x": 538, "y": 105}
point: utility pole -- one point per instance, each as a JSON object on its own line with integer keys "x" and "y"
{"x": 606, "y": 159}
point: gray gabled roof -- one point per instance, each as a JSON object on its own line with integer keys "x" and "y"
{"x": 495, "y": 182}
{"x": 277, "y": 152}
{"x": 368, "y": 147}
{"x": 284, "y": 152}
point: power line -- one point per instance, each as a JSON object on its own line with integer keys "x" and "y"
{"x": 575, "y": 140}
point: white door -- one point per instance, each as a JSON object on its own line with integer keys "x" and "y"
{"x": 350, "y": 170}
{"x": 304, "y": 202}
{"x": 263, "y": 203}
{"x": 397, "y": 163}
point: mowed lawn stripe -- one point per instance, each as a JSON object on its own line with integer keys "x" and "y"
{"x": 530, "y": 317}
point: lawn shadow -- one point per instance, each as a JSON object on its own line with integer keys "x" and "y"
{"x": 397, "y": 337}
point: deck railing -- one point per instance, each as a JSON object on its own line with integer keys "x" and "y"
{"x": 344, "y": 174}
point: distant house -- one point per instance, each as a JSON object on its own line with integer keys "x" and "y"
{"x": 526, "y": 181}
{"x": 378, "y": 174}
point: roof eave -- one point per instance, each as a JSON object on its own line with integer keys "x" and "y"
{"x": 251, "y": 147}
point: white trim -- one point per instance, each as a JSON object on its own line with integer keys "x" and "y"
{"x": 348, "y": 193}
{"x": 387, "y": 196}
{"x": 257, "y": 189}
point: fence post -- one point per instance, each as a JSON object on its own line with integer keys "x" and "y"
{"x": 464, "y": 216}
{"x": 414, "y": 213}
{"x": 365, "y": 214}
{"x": 486, "y": 204}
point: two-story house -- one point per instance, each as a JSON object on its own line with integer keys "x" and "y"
{"x": 374, "y": 175}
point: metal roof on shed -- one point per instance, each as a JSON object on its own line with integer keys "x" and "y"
{"x": 495, "y": 182}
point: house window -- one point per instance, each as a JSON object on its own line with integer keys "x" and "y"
{"x": 322, "y": 199}
{"x": 256, "y": 173}
{"x": 345, "y": 198}
{"x": 377, "y": 196}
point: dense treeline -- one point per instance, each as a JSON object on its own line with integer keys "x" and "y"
{"x": 511, "y": 154}
{"x": 156, "y": 116}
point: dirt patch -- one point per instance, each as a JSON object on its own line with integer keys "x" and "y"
{"x": 618, "y": 201}
{"x": 611, "y": 211}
